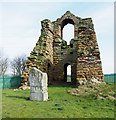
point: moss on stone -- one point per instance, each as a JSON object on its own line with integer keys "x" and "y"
{"x": 55, "y": 26}
{"x": 64, "y": 42}
{"x": 63, "y": 47}
{"x": 44, "y": 34}
{"x": 72, "y": 41}
{"x": 27, "y": 61}
{"x": 33, "y": 57}
{"x": 40, "y": 57}
{"x": 80, "y": 51}
{"x": 82, "y": 26}
{"x": 70, "y": 49}
{"x": 58, "y": 40}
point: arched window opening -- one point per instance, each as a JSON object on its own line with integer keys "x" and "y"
{"x": 68, "y": 33}
{"x": 67, "y": 72}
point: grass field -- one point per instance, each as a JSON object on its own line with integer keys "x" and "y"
{"x": 16, "y": 104}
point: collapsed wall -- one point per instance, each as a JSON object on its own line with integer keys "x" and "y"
{"x": 52, "y": 55}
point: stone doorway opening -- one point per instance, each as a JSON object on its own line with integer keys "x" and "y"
{"x": 67, "y": 73}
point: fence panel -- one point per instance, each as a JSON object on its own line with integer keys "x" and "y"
{"x": 111, "y": 78}
{"x": 10, "y": 81}
{"x": 15, "y": 81}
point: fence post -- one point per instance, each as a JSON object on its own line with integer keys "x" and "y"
{"x": 3, "y": 82}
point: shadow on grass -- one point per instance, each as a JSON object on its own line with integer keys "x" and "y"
{"x": 68, "y": 85}
{"x": 60, "y": 86}
{"x": 26, "y": 98}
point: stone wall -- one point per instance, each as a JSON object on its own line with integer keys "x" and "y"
{"x": 52, "y": 54}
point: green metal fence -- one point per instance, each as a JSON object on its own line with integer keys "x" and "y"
{"x": 10, "y": 81}
{"x": 15, "y": 81}
{"x": 111, "y": 78}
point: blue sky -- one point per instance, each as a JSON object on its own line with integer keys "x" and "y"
{"x": 21, "y": 24}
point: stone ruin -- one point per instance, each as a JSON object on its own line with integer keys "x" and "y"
{"x": 52, "y": 55}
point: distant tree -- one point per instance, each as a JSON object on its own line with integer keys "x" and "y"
{"x": 4, "y": 63}
{"x": 18, "y": 65}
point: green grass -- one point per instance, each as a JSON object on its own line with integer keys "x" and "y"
{"x": 68, "y": 78}
{"x": 16, "y": 104}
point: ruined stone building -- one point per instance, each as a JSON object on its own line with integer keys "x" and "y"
{"x": 52, "y": 55}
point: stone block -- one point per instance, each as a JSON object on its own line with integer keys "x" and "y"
{"x": 38, "y": 84}
{"x": 39, "y": 96}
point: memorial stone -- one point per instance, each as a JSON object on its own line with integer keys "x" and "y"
{"x": 38, "y": 85}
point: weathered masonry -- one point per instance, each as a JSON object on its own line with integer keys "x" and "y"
{"x": 52, "y": 55}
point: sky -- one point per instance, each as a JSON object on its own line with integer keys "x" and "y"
{"x": 20, "y": 26}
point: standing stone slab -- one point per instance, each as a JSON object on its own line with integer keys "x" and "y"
{"x": 38, "y": 83}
